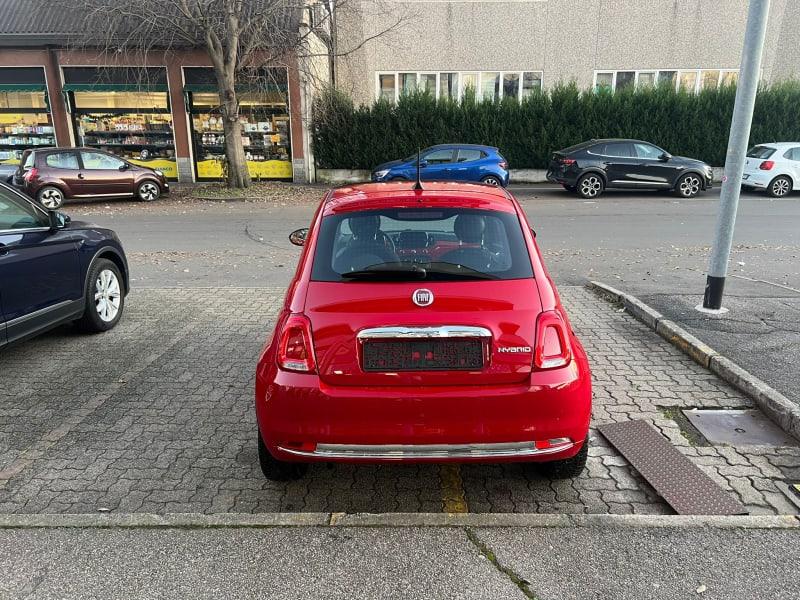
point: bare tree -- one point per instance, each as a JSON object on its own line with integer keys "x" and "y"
{"x": 239, "y": 37}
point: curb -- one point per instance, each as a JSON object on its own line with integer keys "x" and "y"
{"x": 391, "y": 520}
{"x": 775, "y": 405}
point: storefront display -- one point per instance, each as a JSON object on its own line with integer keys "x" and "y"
{"x": 24, "y": 112}
{"x": 264, "y": 116}
{"x": 132, "y": 121}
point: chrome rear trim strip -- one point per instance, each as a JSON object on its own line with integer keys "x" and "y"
{"x": 444, "y": 331}
{"x": 432, "y": 451}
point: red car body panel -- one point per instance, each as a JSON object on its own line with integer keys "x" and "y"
{"x": 340, "y": 403}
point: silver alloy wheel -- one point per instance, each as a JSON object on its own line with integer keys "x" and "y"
{"x": 491, "y": 181}
{"x": 148, "y": 191}
{"x": 591, "y": 186}
{"x": 690, "y": 186}
{"x": 107, "y": 296}
{"x": 780, "y": 187}
{"x": 51, "y": 198}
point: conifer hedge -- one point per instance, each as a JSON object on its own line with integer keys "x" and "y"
{"x": 346, "y": 136}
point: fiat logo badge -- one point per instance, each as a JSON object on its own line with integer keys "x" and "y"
{"x": 422, "y": 297}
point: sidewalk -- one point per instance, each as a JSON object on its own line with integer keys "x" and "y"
{"x": 547, "y": 561}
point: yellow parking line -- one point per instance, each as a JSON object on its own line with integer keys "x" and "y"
{"x": 453, "y": 498}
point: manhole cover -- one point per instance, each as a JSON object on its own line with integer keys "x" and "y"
{"x": 738, "y": 427}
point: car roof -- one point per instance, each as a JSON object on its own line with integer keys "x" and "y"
{"x": 401, "y": 194}
{"x": 778, "y": 144}
{"x": 444, "y": 146}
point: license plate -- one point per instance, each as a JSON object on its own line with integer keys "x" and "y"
{"x": 423, "y": 355}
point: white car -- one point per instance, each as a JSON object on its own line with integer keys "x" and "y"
{"x": 774, "y": 168}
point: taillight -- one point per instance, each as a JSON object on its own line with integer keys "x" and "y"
{"x": 766, "y": 165}
{"x": 30, "y": 174}
{"x": 503, "y": 164}
{"x": 296, "y": 351}
{"x": 552, "y": 349}
{"x": 567, "y": 161}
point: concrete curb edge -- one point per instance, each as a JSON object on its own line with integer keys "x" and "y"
{"x": 774, "y": 404}
{"x": 398, "y": 520}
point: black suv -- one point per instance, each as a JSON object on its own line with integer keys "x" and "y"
{"x": 590, "y": 167}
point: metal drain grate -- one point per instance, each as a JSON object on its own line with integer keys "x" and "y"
{"x": 677, "y": 479}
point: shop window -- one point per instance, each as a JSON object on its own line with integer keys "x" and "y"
{"x": 448, "y": 85}
{"x": 408, "y": 83}
{"x": 25, "y": 119}
{"x": 490, "y": 85}
{"x": 62, "y": 160}
{"x": 121, "y": 99}
{"x": 531, "y": 82}
{"x": 22, "y": 100}
{"x": 388, "y": 86}
{"x": 511, "y": 85}
{"x": 604, "y": 81}
{"x": 625, "y": 79}
{"x": 96, "y": 161}
{"x": 427, "y": 83}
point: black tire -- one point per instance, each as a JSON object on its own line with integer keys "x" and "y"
{"x": 688, "y": 186}
{"x": 95, "y": 319}
{"x": 590, "y": 186}
{"x": 148, "y": 191}
{"x": 779, "y": 187}
{"x": 569, "y": 188}
{"x": 278, "y": 470}
{"x": 398, "y": 179}
{"x": 51, "y": 197}
{"x": 492, "y": 180}
{"x": 570, "y": 467}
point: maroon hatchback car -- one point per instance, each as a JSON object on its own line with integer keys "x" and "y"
{"x": 52, "y": 175}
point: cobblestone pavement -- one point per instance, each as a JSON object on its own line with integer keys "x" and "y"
{"x": 157, "y": 416}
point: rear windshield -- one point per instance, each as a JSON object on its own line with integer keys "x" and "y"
{"x": 421, "y": 244}
{"x": 760, "y": 152}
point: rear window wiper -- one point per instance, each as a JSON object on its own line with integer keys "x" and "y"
{"x": 388, "y": 271}
{"x": 455, "y": 272}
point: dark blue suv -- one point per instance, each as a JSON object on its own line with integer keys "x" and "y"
{"x": 448, "y": 162}
{"x": 54, "y": 270}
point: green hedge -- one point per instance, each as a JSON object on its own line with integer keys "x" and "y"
{"x": 527, "y": 132}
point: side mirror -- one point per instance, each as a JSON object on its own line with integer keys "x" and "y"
{"x": 665, "y": 157}
{"x": 423, "y": 164}
{"x": 124, "y": 167}
{"x": 57, "y": 220}
{"x": 298, "y": 236}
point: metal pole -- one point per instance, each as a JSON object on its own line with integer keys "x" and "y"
{"x": 737, "y": 149}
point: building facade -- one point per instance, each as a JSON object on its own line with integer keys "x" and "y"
{"x": 501, "y": 48}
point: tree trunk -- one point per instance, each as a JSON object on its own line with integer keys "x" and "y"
{"x": 238, "y": 175}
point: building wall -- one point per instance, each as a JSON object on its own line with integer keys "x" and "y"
{"x": 568, "y": 40}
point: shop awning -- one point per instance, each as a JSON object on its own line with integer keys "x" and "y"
{"x": 114, "y": 87}
{"x": 23, "y": 87}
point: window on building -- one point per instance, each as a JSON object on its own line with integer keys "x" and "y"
{"x": 729, "y": 78}
{"x": 646, "y": 79}
{"x": 668, "y": 77}
{"x": 531, "y": 82}
{"x": 490, "y": 85}
{"x": 709, "y": 80}
{"x": 448, "y": 85}
{"x": 625, "y": 79}
{"x": 469, "y": 81}
{"x": 604, "y": 81}
{"x": 688, "y": 80}
{"x": 511, "y": 85}
{"x": 387, "y": 86}
{"x": 427, "y": 83}
{"x": 408, "y": 83}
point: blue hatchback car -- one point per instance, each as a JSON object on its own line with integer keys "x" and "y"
{"x": 54, "y": 270}
{"x": 448, "y": 162}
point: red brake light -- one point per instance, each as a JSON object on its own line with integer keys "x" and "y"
{"x": 296, "y": 351}
{"x": 552, "y": 349}
{"x": 30, "y": 174}
{"x": 567, "y": 161}
{"x": 766, "y": 165}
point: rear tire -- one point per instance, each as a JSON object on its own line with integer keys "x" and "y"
{"x": 105, "y": 297}
{"x": 148, "y": 191}
{"x": 567, "y": 468}
{"x": 590, "y": 186}
{"x": 278, "y": 470}
{"x": 492, "y": 180}
{"x": 51, "y": 197}
{"x": 688, "y": 186}
{"x": 779, "y": 187}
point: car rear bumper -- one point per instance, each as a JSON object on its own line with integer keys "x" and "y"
{"x": 560, "y": 177}
{"x": 759, "y": 179}
{"x": 544, "y": 418}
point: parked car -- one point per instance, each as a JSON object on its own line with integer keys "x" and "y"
{"x": 448, "y": 162}
{"x": 53, "y": 271}
{"x": 53, "y": 175}
{"x": 421, "y": 326}
{"x": 591, "y": 167}
{"x": 773, "y": 168}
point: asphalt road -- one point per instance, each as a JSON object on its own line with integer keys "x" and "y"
{"x": 546, "y": 563}
{"x": 652, "y": 245}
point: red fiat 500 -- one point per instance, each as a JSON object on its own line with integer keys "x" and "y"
{"x": 421, "y": 326}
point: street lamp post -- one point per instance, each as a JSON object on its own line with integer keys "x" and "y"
{"x": 737, "y": 149}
